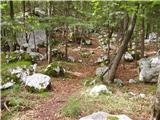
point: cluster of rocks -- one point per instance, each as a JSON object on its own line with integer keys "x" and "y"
{"x": 29, "y": 78}
{"x": 152, "y": 37}
{"x": 103, "y": 40}
{"x": 20, "y": 55}
{"x": 56, "y": 53}
{"x": 101, "y": 70}
{"x": 149, "y": 69}
{"x": 105, "y": 116}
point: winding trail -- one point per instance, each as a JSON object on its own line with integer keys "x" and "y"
{"x": 49, "y": 109}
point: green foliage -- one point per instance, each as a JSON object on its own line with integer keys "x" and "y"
{"x": 5, "y": 66}
{"x": 118, "y": 82}
{"x": 14, "y": 57}
{"x": 7, "y": 76}
{"x": 112, "y": 118}
{"x": 72, "y": 108}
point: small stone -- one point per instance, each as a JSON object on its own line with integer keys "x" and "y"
{"x": 96, "y": 90}
{"x": 132, "y": 81}
{"x": 141, "y": 95}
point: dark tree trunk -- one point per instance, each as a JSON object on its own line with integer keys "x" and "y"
{"x": 14, "y": 44}
{"x": 108, "y": 42}
{"x": 110, "y": 75}
{"x": 142, "y": 35}
{"x": 11, "y": 10}
{"x": 147, "y": 30}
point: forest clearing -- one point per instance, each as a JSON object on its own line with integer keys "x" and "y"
{"x": 80, "y": 60}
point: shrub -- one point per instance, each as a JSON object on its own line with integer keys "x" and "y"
{"x": 26, "y": 57}
{"x": 72, "y": 108}
{"x": 7, "y": 76}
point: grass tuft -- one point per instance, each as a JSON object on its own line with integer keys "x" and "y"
{"x": 72, "y": 108}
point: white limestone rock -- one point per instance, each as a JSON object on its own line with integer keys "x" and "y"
{"x": 96, "y": 90}
{"x": 38, "y": 81}
{"x": 128, "y": 57}
{"x": 6, "y": 85}
{"x": 104, "y": 116}
{"x": 132, "y": 81}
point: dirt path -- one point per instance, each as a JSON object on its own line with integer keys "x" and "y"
{"x": 49, "y": 109}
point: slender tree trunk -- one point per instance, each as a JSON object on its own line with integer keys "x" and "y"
{"x": 66, "y": 30}
{"x": 108, "y": 42}
{"x": 49, "y": 35}
{"x": 110, "y": 75}
{"x": 142, "y": 35}
{"x": 35, "y": 49}
{"x": 49, "y": 50}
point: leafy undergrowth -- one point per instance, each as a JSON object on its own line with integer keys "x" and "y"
{"x": 6, "y": 66}
{"x": 18, "y": 99}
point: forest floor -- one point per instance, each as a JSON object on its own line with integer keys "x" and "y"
{"x": 64, "y": 87}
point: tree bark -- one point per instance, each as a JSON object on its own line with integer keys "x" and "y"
{"x": 142, "y": 35}
{"x": 11, "y": 10}
{"x": 110, "y": 75}
{"x": 49, "y": 35}
{"x": 156, "y": 105}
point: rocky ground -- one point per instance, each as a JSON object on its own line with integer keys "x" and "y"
{"x": 64, "y": 87}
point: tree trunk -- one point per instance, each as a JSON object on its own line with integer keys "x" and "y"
{"x": 108, "y": 42}
{"x": 110, "y": 75}
{"x": 156, "y": 106}
{"x": 142, "y": 35}
{"x": 35, "y": 49}
{"x": 66, "y": 29}
{"x": 49, "y": 49}
{"x": 49, "y": 35}
{"x": 11, "y": 10}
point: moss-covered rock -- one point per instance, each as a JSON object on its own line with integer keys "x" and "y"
{"x": 54, "y": 70}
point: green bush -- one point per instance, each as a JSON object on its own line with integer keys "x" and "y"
{"x": 14, "y": 57}
{"x": 7, "y": 76}
{"x": 72, "y": 108}
{"x": 26, "y": 57}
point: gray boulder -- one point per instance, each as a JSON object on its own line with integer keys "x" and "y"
{"x": 149, "y": 69}
{"x": 101, "y": 70}
{"x": 128, "y": 57}
{"x": 99, "y": 89}
{"x": 6, "y": 85}
{"x": 38, "y": 81}
{"x": 105, "y": 116}
{"x": 71, "y": 59}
